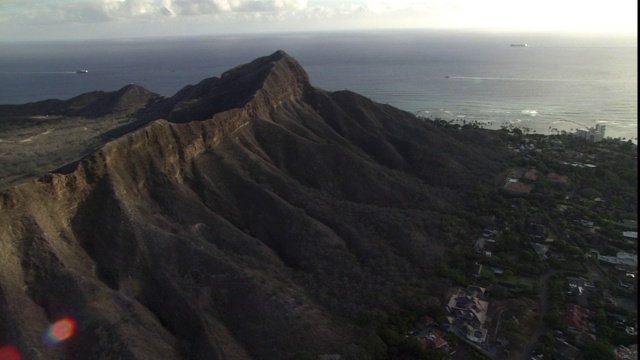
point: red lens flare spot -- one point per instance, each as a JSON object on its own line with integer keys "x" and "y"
{"x": 61, "y": 330}
{"x": 9, "y": 353}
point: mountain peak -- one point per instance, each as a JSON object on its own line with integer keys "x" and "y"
{"x": 261, "y": 67}
{"x": 265, "y": 82}
{"x": 268, "y": 232}
{"x": 281, "y": 55}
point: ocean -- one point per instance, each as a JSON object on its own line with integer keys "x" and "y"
{"x": 557, "y": 82}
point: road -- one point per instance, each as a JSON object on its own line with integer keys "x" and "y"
{"x": 542, "y": 328}
{"x": 596, "y": 273}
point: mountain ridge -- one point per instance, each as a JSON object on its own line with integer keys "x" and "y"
{"x": 248, "y": 216}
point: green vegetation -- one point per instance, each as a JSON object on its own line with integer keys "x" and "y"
{"x": 374, "y": 233}
{"x": 579, "y": 215}
{"x": 598, "y": 350}
{"x": 33, "y": 146}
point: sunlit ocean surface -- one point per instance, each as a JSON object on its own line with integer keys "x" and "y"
{"x": 559, "y": 82}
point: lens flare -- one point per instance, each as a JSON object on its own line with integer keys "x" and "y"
{"x": 61, "y": 330}
{"x": 9, "y": 353}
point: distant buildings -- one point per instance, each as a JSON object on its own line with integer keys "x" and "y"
{"x": 629, "y": 224}
{"x": 627, "y": 353}
{"x": 620, "y": 258}
{"x": 532, "y": 175}
{"x": 535, "y": 230}
{"x": 558, "y": 179}
{"x": 520, "y": 182}
{"x": 434, "y": 339}
{"x": 575, "y": 318}
{"x": 515, "y": 187}
{"x": 592, "y": 134}
{"x": 541, "y": 250}
{"x": 564, "y": 351}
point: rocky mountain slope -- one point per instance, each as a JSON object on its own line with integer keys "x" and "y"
{"x": 250, "y": 216}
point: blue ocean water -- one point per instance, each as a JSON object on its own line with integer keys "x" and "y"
{"x": 563, "y": 82}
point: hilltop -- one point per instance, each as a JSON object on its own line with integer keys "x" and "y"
{"x": 248, "y": 216}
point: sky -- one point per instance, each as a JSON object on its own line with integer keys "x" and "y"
{"x": 34, "y": 20}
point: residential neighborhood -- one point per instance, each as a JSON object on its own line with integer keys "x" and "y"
{"x": 552, "y": 272}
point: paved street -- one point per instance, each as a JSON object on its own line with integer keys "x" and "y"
{"x": 544, "y": 309}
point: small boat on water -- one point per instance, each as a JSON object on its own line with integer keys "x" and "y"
{"x": 82, "y": 71}
{"x": 519, "y": 45}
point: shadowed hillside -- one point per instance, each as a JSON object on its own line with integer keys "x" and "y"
{"x": 248, "y": 216}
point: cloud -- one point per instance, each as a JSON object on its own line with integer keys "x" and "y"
{"x": 98, "y": 11}
{"x": 110, "y": 10}
{"x": 202, "y": 7}
{"x": 50, "y": 18}
{"x": 103, "y": 10}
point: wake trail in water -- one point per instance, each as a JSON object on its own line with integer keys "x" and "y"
{"x": 38, "y": 72}
{"x": 518, "y": 79}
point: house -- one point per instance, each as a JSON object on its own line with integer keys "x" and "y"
{"x": 483, "y": 243}
{"x": 467, "y": 310}
{"x": 629, "y": 224}
{"x": 608, "y": 298}
{"x": 563, "y": 351}
{"x": 330, "y": 357}
{"x": 620, "y": 258}
{"x": 467, "y": 305}
{"x": 532, "y": 175}
{"x": 627, "y": 352}
{"x": 489, "y": 233}
{"x": 586, "y": 223}
{"x": 515, "y": 187}
{"x": 575, "y": 317}
{"x": 627, "y": 258}
{"x": 586, "y": 338}
{"x": 541, "y": 250}
{"x": 535, "y": 230}
{"x": 428, "y": 320}
{"x": 475, "y": 334}
{"x": 476, "y": 270}
{"x": 558, "y": 179}
{"x": 434, "y": 339}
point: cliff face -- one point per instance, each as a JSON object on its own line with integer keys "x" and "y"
{"x": 258, "y": 217}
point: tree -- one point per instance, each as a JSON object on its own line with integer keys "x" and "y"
{"x": 374, "y": 346}
{"x": 437, "y": 313}
{"x": 552, "y": 319}
{"x": 436, "y": 354}
{"x": 598, "y": 350}
{"x": 513, "y": 332}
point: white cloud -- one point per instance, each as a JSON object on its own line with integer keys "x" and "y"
{"x": 91, "y": 11}
{"x": 202, "y": 7}
{"x": 104, "y": 10}
{"x": 33, "y": 18}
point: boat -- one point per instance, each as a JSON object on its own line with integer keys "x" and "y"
{"x": 519, "y": 45}
{"x": 82, "y": 71}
